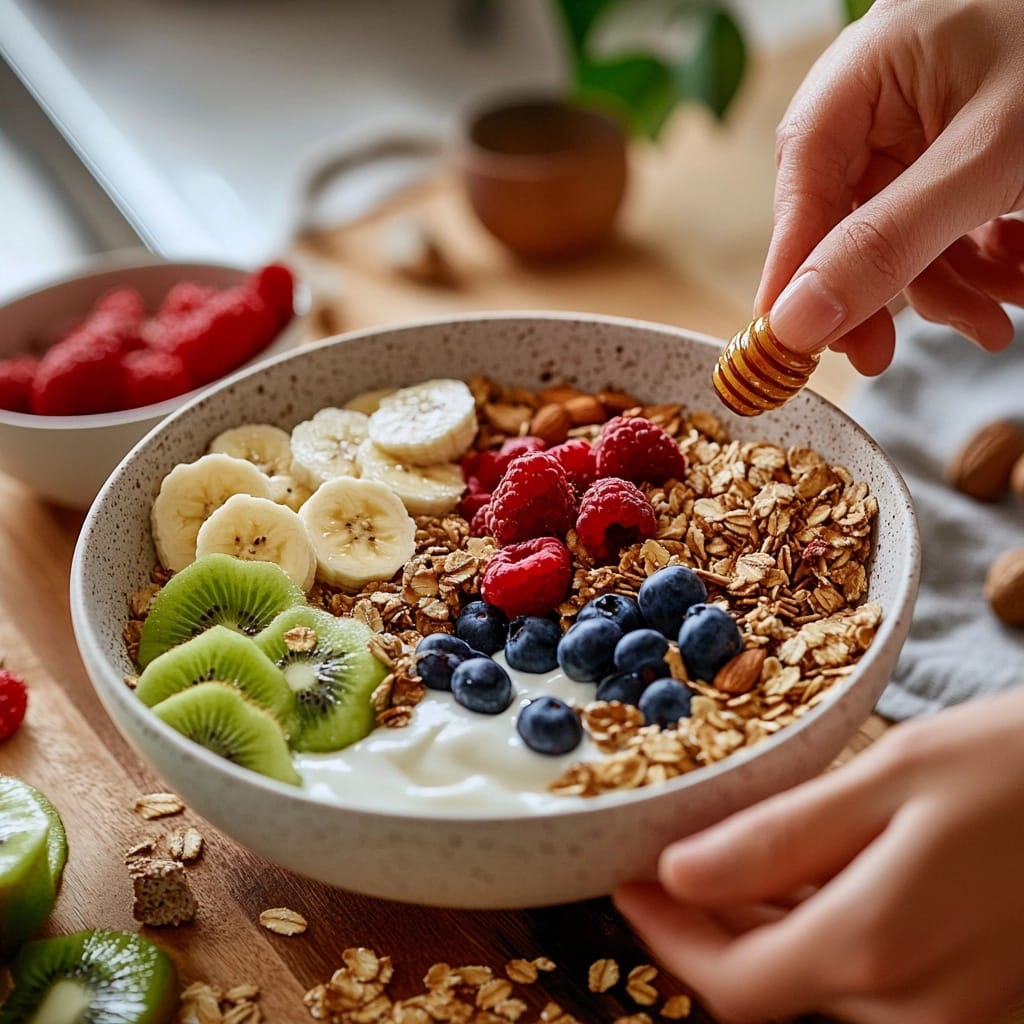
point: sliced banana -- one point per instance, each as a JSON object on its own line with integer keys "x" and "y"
{"x": 360, "y": 531}
{"x": 287, "y": 489}
{"x": 325, "y": 446}
{"x": 424, "y": 490}
{"x": 426, "y": 423}
{"x": 260, "y": 530}
{"x": 368, "y": 402}
{"x": 189, "y": 494}
{"x": 267, "y": 447}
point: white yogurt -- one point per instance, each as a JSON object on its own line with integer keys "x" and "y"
{"x": 450, "y": 759}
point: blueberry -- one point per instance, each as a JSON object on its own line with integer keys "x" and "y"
{"x": 623, "y": 611}
{"x": 641, "y": 647}
{"x": 665, "y": 702}
{"x": 483, "y": 626}
{"x": 624, "y": 687}
{"x": 533, "y": 644}
{"x": 665, "y": 596}
{"x": 708, "y": 638}
{"x": 586, "y": 652}
{"x": 437, "y": 657}
{"x": 482, "y": 685}
{"x": 549, "y": 726}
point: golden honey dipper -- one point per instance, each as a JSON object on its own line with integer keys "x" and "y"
{"x": 756, "y": 372}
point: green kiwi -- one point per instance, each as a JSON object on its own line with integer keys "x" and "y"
{"x": 13, "y": 790}
{"x": 217, "y": 654}
{"x": 92, "y": 977}
{"x": 216, "y": 590}
{"x": 221, "y": 718}
{"x": 331, "y": 681}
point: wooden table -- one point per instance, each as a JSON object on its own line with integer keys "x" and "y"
{"x": 693, "y": 236}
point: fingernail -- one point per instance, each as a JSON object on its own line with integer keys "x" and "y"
{"x": 806, "y": 313}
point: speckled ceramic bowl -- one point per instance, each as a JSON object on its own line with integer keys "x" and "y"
{"x": 65, "y": 459}
{"x": 580, "y": 848}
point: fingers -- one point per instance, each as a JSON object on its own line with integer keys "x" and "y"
{"x": 870, "y": 345}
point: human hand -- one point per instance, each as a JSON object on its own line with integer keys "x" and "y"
{"x": 890, "y": 891}
{"x": 899, "y": 149}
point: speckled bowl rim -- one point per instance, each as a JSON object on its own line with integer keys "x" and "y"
{"x": 113, "y": 688}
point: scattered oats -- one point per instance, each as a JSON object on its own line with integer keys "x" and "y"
{"x": 634, "y": 1018}
{"x": 283, "y": 921}
{"x": 639, "y": 987}
{"x": 543, "y": 963}
{"x": 242, "y": 1013}
{"x": 158, "y": 805}
{"x": 475, "y": 975}
{"x": 523, "y": 972}
{"x": 239, "y": 992}
{"x": 185, "y": 844}
{"x": 677, "y": 1007}
{"x": 364, "y": 963}
{"x": 603, "y": 974}
{"x": 143, "y": 848}
{"x": 492, "y": 992}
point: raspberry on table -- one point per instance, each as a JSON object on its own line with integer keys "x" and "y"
{"x": 613, "y": 514}
{"x": 13, "y": 702}
{"x": 577, "y": 458}
{"x": 635, "y": 449}
{"x": 533, "y": 499}
{"x": 529, "y": 578}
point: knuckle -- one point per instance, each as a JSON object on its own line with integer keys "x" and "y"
{"x": 879, "y": 248}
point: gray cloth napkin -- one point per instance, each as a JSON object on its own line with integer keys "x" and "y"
{"x": 940, "y": 389}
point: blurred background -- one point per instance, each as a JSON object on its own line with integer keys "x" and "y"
{"x": 195, "y": 128}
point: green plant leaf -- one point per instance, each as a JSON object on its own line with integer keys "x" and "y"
{"x": 712, "y": 73}
{"x": 856, "y": 8}
{"x": 578, "y": 17}
{"x": 640, "y": 89}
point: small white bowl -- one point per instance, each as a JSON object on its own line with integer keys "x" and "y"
{"x": 65, "y": 459}
{"x": 574, "y": 849}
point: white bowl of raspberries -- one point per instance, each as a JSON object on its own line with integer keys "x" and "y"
{"x": 90, "y": 362}
{"x": 531, "y": 605}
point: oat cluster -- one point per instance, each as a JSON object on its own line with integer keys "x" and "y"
{"x": 202, "y": 1003}
{"x": 359, "y": 993}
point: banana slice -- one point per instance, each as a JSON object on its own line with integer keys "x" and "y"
{"x": 368, "y": 402}
{"x": 267, "y": 447}
{"x": 427, "y": 423}
{"x": 287, "y": 489}
{"x": 360, "y": 531}
{"x": 424, "y": 490}
{"x": 189, "y": 494}
{"x": 324, "y": 447}
{"x": 260, "y": 530}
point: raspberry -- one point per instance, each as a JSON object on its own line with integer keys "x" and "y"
{"x": 124, "y": 303}
{"x": 151, "y": 377}
{"x": 488, "y": 467}
{"x": 16, "y": 376}
{"x": 480, "y": 524}
{"x": 275, "y": 285}
{"x": 529, "y": 578}
{"x": 80, "y": 374}
{"x": 613, "y": 514}
{"x": 533, "y": 499}
{"x": 13, "y": 701}
{"x": 471, "y": 503}
{"x": 576, "y": 457}
{"x": 185, "y": 297}
{"x": 635, "y": 449}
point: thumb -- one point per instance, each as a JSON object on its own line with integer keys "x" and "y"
{"x": 869, "y": 257}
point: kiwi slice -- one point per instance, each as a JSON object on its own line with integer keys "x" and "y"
{"x": 92, "y": 977}
{"x": 12, "y": 793}
{"x": 221, "y": 718}
{"x": 28, "y": 888}
{"x": 218, "y": 654}
{"x": 216, "y": 589}
{"x": 331, "y": 672}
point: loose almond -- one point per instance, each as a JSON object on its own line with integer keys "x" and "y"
{"x": 739, "y": 674}
{"x": 551, "y": 422}
{"x": 1004, "y": 587}
{"x": 982, "y": 466}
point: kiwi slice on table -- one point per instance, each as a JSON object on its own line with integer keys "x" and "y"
{"x": 216, "y": 589}
{"x": 33, "y": 849}
{"x": 331, "y": 672}
{"x": 92, "y": 977}
{"x": 219, "y": 654}
{"x": 221, "y": 718}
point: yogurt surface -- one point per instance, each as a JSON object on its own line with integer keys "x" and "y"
{"x": 450, "y": 759}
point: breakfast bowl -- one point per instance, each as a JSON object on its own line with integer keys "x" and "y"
{"x": 65, "y": 457}
{"x": 488, "y": 827}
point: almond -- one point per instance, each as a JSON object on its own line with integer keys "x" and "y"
{"x": 551, "y": 422}
{"x": 558, "y": 393}
{"x": 618, "y": 401}
{"x": 507, "y": 418}
{"x": 739, "y": 674}
{"x": 1004, "y": 587}
{"x": 982, "y": 466}
{"x": 584, "y": 410}
{"x": 1017, "y": 478}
